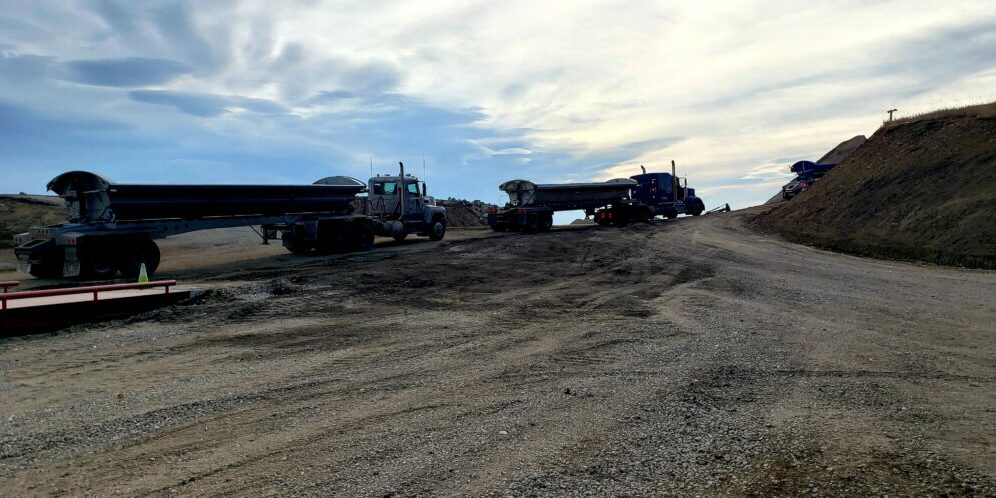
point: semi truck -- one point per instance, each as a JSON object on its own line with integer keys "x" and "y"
{"x": 806, "y": 173}
{"x": 531, "y": 206}
{"x": 111, "y": 228}
{"x": 615, "y": 202}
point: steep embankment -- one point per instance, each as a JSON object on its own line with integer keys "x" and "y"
{"x": 922, "y": 188}
{"x": 835, "y": 156}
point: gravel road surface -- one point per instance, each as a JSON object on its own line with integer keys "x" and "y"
{"x": 676, "y": 358}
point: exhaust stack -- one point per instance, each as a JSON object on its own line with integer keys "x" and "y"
{"x": 402, "y": 187}
{"x": 674, "y": 179}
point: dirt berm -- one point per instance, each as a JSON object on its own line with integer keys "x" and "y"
{"x": 20, "y": 212}
{"x": 922, "y": 189}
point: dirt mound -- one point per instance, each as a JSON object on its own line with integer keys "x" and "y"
{"x": 461, "y": 213}
{"x": 918, "y": 189}
{"x": 20, "y": 212}
{"x": 842, "y": 150}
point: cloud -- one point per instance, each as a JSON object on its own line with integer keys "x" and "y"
{"x": 734, "y": 92}
{"x": 204, "y": 104}
{"x": 128, "y": 72}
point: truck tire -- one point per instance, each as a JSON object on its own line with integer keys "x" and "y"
{"x": 132, "y": 253}
{"x": 46, "y": 270}
{"x": 532, "y": 223}
{"x": 438, "y": 229}
{"x": 363, "y": 237}
{"x": 297, "y": 247}
{"x": 620, "y": 218}
{"x": 545, "y": 223}
{"x": 646, "y": 214}
{"x": 50, "y": 265}
{"x": 294, "y": 244}
{"x": 399, "y": 237}
{"x": 335, "y": 237}
{"x": 672, "y": 214}
{"x": 98, "y": 260}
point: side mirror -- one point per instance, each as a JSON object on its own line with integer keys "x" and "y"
{"x": 423, "y": 189}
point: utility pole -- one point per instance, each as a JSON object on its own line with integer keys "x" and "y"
{"x": 890, "y": 111}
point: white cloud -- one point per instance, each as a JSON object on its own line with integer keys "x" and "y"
{"x": 725, "y": 88}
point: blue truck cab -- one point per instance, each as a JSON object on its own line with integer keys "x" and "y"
{"x": 666, "y": 195}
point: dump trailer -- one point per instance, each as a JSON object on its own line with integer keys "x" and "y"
{"x": 111, "y": 227}
{"x": 531, "y": 206}
{"x": 806, "y": 173}
{"x": 615, "y": 202}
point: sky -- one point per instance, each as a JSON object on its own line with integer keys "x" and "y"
{"x": 255, "y": 91}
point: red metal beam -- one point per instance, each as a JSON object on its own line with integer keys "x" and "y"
{"x": 95, "y": 289}
{"x": 6, "y": 285}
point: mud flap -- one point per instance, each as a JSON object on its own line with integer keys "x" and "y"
{"x": 70, "y": 263}
{"x": 23, "y": 264}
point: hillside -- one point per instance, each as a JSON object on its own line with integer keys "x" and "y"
{"x": 834, "y": 156}
{"x": 20, "y": 212}
{"x": 921, "y": 188}
{"x": 842, "y": 150}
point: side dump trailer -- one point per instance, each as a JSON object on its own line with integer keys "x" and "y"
{"x": 615, "y": 202}
{"x": 111, "y": 227}
{"x": 92, "y": 199}
{"x": 806, "y": 173}
{"x": 531, "y": 206}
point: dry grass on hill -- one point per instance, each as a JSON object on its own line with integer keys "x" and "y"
{"x": 920, "y": 188}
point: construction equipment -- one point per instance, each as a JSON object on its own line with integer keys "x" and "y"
{"x": 615, "y": 202}
{"x": 531, "y": 206}
{"x": 657, "y": 194}
{"x": 806, "y": 173}
{"x": 111, "y": 227}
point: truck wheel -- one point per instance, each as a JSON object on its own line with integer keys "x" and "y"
{"x": 97, "y": 260}
{"x": 545, "y": 223}
{"x": 50, "y": 265}
{"x": 672, "y": 214}
{"x": 499, "y": 227}
{"x": 531, "y": 223}
{"x": 620, "y": 219}
{"x": 335, "y": 238}
{"x": 399, "y": 237}
{"x": 363, "y": 237}
{"x": 46, "y": 270}
{"x": 134, "y": 253}
{"x": 646, "y": 215}
{"x": 438, "y": 230}
{"x": 297, "y": 247}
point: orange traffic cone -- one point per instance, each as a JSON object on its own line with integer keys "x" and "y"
{"x": 143, "y": 275}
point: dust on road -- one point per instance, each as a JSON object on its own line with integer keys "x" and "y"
{"x": 674, "y": 358}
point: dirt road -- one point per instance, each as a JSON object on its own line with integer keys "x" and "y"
{"x": 676, "y": 358}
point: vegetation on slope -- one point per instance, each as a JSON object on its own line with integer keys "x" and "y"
{"x": 920, "y": 188}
